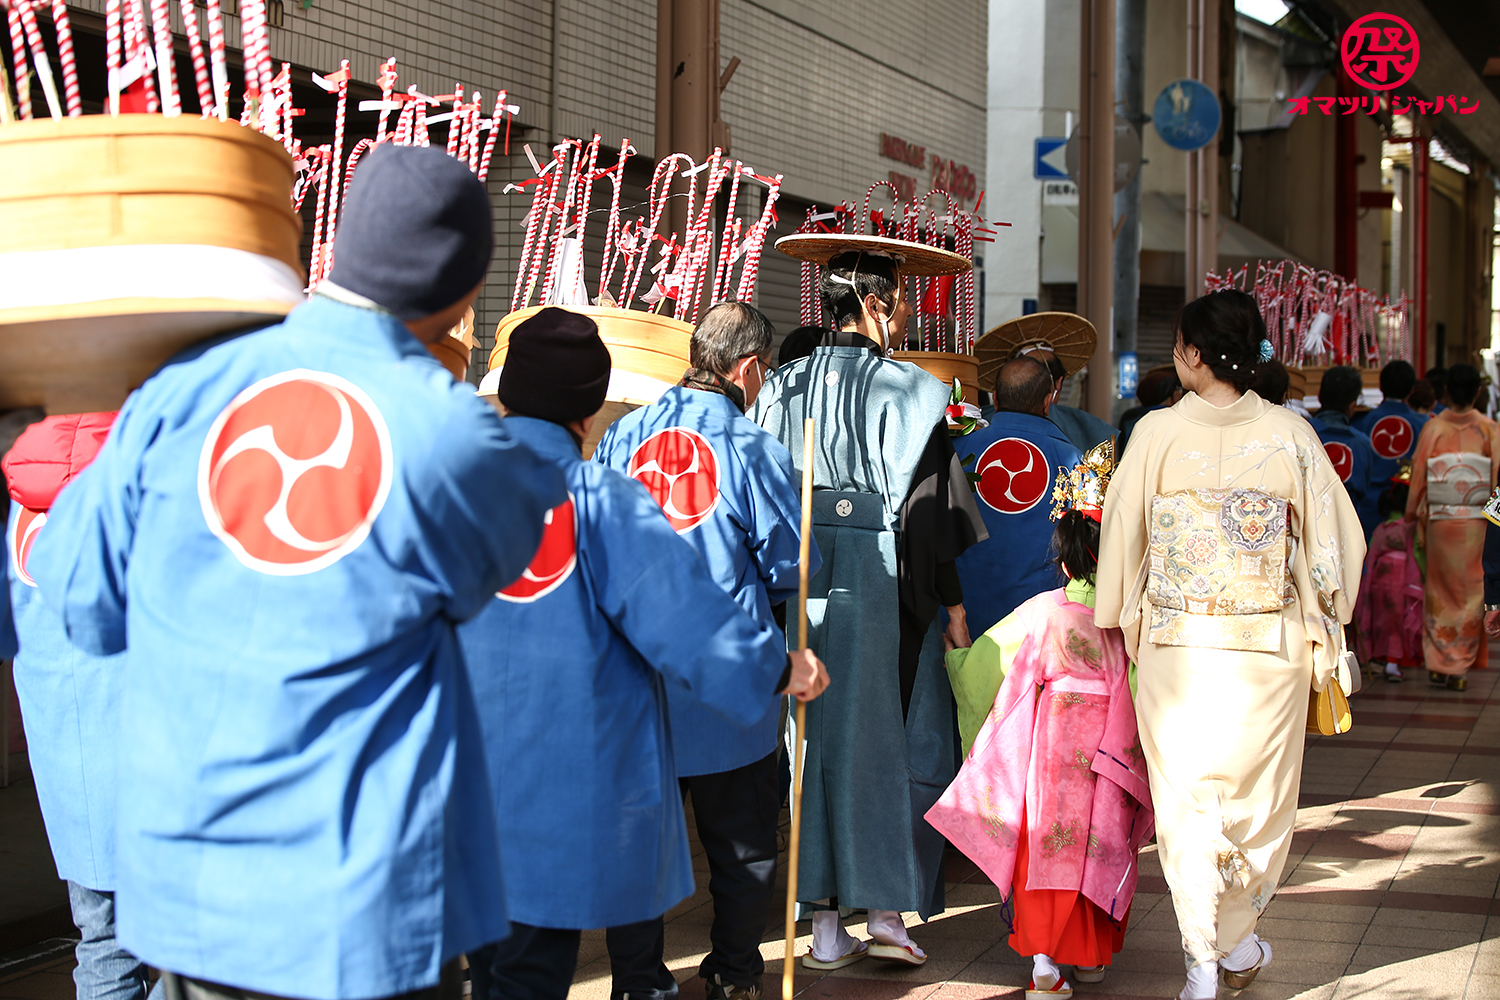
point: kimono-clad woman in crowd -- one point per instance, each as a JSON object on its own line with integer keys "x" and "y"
{"x": 1052, "y": 801}
{"x": 1230, "y": 555}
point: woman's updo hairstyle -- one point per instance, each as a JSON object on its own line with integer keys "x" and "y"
{"x": 1227, "y": 328}
{"x": 1075, "y": 541}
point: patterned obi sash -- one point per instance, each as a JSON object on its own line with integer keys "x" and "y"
{"x": 1218, "y": 569}
{"x": 1458, "y": 483}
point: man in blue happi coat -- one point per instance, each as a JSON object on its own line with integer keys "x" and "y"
{"x": 726, "y": 487}
{"x": 70, "y": 701}
{"x": 1017, "y": 458}
{"x": 1393, "y": 426}
{"x": 281, "y": 534}
{"x": 571, "y": 666}
{"x": 1348, "y": 449}
{"x": 892, "y": 510}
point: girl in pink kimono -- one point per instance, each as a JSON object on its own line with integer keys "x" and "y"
{"x": 1052, "y": 800}
{"x": 1388, "y": 612}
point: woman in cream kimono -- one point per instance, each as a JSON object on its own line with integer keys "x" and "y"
{"x": 1230, "y": 554}
{"x": 1452, "y": 474}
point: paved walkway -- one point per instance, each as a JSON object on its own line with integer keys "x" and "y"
{"x": 1391, "y": 891}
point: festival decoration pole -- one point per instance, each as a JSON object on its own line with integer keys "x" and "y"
{"x": 166, "y": 63}
{"x": 65, "y": 56}
{"x": 200, "y": 61}
{"x": 39, "y": 57}
{"x": 112, "y": 48}
{"x": 217, "y": 60}
{"x": 794, "y": 843}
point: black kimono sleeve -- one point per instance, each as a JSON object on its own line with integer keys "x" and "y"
{"x": 938, "y": 522}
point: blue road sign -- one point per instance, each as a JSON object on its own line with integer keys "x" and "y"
{"x": 1050, "y": 164}
{"x": 1186, "y": 115}
{"x": 1129, "y": 374}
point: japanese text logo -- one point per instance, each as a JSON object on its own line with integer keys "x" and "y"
{"x": 554, "y": 559}
{"x": 1342, "y": 457}
{"x": 24, "y": 526}
{"x": 679, "y": 469}
{"x": 1013, "y": 475}
{"x": 1392, "y": 436}
{"x": 1380, "y": 51}
{"x": 294, "y": 472}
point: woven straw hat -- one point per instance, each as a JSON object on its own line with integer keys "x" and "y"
{"x": 912, "y": 259}
{"x": 1067, "y": 335}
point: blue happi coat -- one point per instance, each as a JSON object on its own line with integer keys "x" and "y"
{"x": 1017, "y": 457}
{"x": 745, "y": 523}
{"x": 70, "y": 700}
{"x": 569, "y": 666}
{"x": 287, "y": 527}
{"x": 1393, "y": 429}
{"x": 1353, "y": 459}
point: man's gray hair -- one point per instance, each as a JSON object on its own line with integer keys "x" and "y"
{"x": 728, "y": 332}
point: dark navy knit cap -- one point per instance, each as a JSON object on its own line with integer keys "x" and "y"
{"x": 556, "y": 367}
{"x": 415, "y": 234}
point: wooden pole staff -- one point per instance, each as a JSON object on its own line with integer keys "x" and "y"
{"x": 794, "y": 845}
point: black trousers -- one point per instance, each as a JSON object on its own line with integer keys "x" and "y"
{"x": 534, "y": 963}
{"x": 174, "y": 987}
{"x": 736, "y": 814}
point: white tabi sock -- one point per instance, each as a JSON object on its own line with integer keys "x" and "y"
{"x": 830, "y": 941}
{"x": 885, "y": 927}
{"x": 1247, "y": 954}
{"x": 1044, "y": 972}
{"x": 1202, "y": 982}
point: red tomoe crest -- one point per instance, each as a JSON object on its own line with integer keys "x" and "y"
{"x": 25, "y": 523}
{"x": 1392, "y": 436}
{"x": 1013, "y": 475}
{"x": 554, "y": 559}
{"x": 1380, "y": 51}
{"x": 1342, "y": 457}
{"x": 294, "y": 472}
{"x": 679, "y": 469}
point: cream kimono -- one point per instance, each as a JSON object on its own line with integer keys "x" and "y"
{"x": 1230, "y": 554}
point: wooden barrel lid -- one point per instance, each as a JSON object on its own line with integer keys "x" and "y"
{"x": 946, "y": 367}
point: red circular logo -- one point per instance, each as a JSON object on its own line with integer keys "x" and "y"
{"x": 679, "y": 469}
{"x": 1013, "y": 475}
{"x": 1342, "y": 457}
{"x": 1392, "y": 436}
{"x": 1380, "y": 51}
{"x": 25, "y": 523}
{"x": 554, "y": 559}
{"x": 294, "y": 472}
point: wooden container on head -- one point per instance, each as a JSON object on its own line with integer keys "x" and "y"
{"x": 947, "y": 367}
{"x": 97, "y": 203}
{"x": 648, "y": 355}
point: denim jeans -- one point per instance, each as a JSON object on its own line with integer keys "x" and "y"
{"x": 105, "y": 970}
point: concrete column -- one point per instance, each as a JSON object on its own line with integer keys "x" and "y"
{"x": 1130, "y": 77}
{"x": 1014, "y": 120}
{"x": 1202, "y": 201}
{"x": 1096, "y": 194}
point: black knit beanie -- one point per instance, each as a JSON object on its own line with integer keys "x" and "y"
{"x": 556, "y": 367}
{"x": 416, "y": 233}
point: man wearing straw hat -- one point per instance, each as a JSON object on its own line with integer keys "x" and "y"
{"x": 281, "y": 533}
{"x": 892, "y": 511}
{"x": 1019, "y": 455}
{"x": 726, "y": 486}
{"x": 571, "y": 665}
{"x": 1063, "y": 342}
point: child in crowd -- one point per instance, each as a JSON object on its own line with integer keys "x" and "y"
{"x": 1052, "y": 801}
{"x": 1388, "y": 614}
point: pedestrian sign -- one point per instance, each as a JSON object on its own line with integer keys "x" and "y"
{"x": 1049, "y": 164}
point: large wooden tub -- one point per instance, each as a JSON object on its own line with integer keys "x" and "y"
{"x": 648, "y": 355}
{"x": 947, "y": 367}
{"x": 128, "y": 238}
